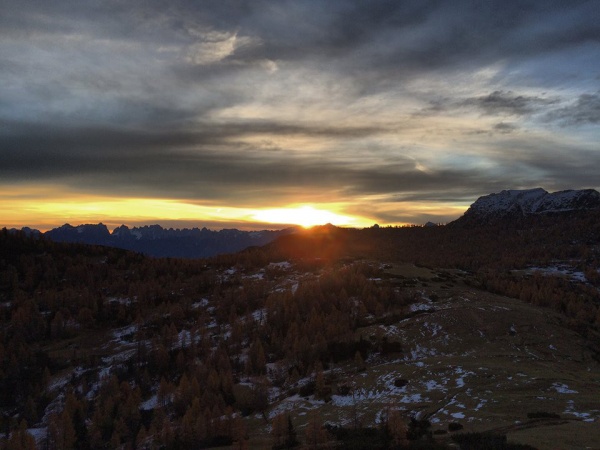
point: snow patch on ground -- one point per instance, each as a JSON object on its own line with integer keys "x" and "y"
{"x": 433, "y": 328}
{"x": 184, "y": 339}
{"x": 150, "y": 404}
{"x": 362, "y": 396}
{"x": 342, "y": 400}
{"x": 433, "y": 385}
{"x": 390, "y": 330}
{"x": 480, "y": 405}
{"x": 39, "y": 434}
{"x": 120, "y": 300}
{"x": 201, "y": 304}
{"x": 104, "y": 372}
{"x": 419, "y": 352}
{"x": 586, "y": 417}
{"x": 460, "y": 381}
{"x": 55, "y": 406}
{"x": 414, "y": 398}
{"x": 257, "y": 276}
{"x": 563, "y": 389}
{"x": 59, "y": 382}
{"x": 420, "y": 307}
{"x": 120, "y": 333}
{"x": 260, "y": 315}
{"x": 295, "y": 403}
{"x": 560, "y": 270}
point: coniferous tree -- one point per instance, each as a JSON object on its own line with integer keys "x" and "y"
{"x": 20, "y": 439}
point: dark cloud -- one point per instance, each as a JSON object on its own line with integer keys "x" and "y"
{"x": 204, "y": 166}
{"x": 416, "y": 35}
{"x": 584, "y": 111}
{"x": 503, "y": 127}
{"x": 508, "y": 103}
{"x": 496, "y": 103}
{"x": 27, "y": 141}
{"x": 168, "y": 161}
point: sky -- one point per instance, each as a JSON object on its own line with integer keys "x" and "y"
{"x": 257, "y": 113}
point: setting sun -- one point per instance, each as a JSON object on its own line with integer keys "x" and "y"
{"x": 305, "y": 216}
{"x": 59, "y": 207}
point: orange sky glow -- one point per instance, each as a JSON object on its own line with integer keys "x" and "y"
{"x": 38, "y": 209}
{"x": 45, "y": 208}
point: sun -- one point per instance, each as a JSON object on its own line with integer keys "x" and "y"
{"x": 305, "y": 216}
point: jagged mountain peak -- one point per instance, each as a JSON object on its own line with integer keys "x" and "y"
{"x": 516, "y": 203}
{"x": 120, "y": 229}
{"x": 67, "y": 232}
{"x": 156, "y": 240}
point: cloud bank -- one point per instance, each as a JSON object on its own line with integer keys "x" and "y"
{"x": 399, "y": 111}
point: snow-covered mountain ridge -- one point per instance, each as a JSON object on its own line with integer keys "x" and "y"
{"x": 520, "y": 203}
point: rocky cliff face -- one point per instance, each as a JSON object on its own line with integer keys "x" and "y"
{"x": 516, "y": 204}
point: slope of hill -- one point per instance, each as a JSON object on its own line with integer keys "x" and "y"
{"x": 485, "y": 362}
{"x": 328, "y": 337}
{"x": 420, "y": 360}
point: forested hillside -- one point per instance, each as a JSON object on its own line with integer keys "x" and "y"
{"x": 105, "y": 348}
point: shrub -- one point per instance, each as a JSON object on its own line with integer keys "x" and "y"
{"x": 418, "y": 429}
{"x": 344, "y": 389}
{"x": 308, "y": 389}
{"x": 488, "y": 441}
{"x": 475, "y": 441}
{"x": 400, "y": 382}
{"x": 454, "y": 426}
{"x": 361, "y": 438}
{"x": 542, "y": 415}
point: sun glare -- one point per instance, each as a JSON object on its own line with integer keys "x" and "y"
{"x": 305, "y": 216}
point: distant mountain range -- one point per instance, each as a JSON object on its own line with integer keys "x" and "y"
{"x": 516, "y": 204}
{"x": 155, "y": 240}
{"x": 508, "y": 206}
